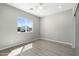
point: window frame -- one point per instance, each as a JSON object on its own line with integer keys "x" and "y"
{"x": 25, "y": 26}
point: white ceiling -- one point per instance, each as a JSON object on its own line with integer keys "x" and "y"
{"x": 43, "y": 9}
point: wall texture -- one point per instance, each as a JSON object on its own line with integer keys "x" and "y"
{"x": 77, "y": 32}
{"x": 8, "y": 27}
{"x": 59, "y": 27}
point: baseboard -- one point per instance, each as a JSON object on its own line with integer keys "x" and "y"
{"x": 15, "y": 44}
{"x": 58, "y": 41}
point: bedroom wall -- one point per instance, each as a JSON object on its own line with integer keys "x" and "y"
{"x": 77, "y": 32}
{"x": 59, "y": 27}
{"x": 8, "y": 27}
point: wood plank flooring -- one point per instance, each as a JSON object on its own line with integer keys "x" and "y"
{"x": 43, "y": 48}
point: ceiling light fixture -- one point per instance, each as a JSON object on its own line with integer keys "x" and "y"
{"x": 39, "y": 6}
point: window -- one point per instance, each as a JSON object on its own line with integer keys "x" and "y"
{"x": 24, "y": 25}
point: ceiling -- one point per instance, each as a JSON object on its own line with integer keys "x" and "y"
{"x": 43, "y": 9}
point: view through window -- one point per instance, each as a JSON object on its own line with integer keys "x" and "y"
{"x": 24, "y": 25}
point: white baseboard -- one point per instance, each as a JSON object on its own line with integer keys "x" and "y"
{"x": 58, "y": 41}
{"x": 15, "y": 44}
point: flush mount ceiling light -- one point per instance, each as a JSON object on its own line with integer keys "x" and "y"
{"x": 41, "y": 4}
{"x": 38, "y": 6}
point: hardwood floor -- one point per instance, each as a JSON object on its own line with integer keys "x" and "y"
{"x": 43, "y": 48}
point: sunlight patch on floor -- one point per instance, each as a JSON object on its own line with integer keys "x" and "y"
{"x": 20, "y": 49}
{"x": 27, "y": 47}
{"x": 15, "y": 52}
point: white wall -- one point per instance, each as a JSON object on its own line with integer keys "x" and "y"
{"x": 58, "y": 27}
{"x": 8, "y": 27}
{"x": 77, "y": 32}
